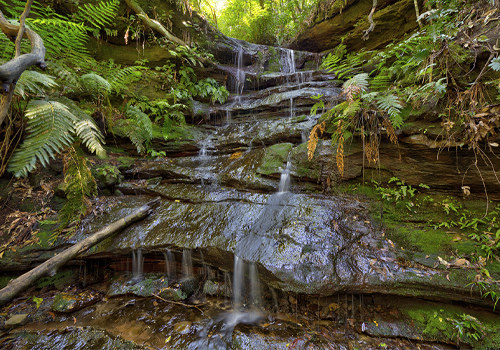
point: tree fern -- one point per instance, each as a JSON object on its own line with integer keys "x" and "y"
{"x": 32, "y": 82}
{"x": 51, "y": 129}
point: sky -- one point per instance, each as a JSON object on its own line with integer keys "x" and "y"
{"x": 219, "y": 4}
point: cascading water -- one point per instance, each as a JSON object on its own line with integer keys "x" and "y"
{"x": 169, "y": 264}
{"x": 240, "y": 73}
{"x": 187, "y": 263}
{"x": 238, "y": 277}
{"x": 137, "y": 265}
{"x": 284, "y": 184}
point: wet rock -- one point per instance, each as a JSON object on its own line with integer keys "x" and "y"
{"x": 183, "y": 327}
{"x": 74, "y": 338}
{"x": 151, "y": 284}
{"x": 214, "y": 288}
{"x": 66, "y": 302}
{"x": 173, "y": 293}
{"x": 16, "y": 321}
{"x": 107, "y": 176}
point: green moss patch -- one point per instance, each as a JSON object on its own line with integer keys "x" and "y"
{"x": 274, "y": 159}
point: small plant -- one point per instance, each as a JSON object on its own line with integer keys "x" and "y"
{"x": 399, "y": 193}
{"x": 467, "y": 328}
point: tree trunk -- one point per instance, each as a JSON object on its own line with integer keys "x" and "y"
{"x": 154, "y": 25}
{"x": 19, "y": 284}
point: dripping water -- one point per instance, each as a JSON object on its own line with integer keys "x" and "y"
{"x": 284, "y": 184}
{"x": 137, "y": 265}
{"x": 169, "y": 264}
{"x": 187, "y": 263}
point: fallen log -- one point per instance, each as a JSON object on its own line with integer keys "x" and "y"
{"x": 22, "y": 282}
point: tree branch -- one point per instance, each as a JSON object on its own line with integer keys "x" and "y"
{"x": 19, "y": 284}
{"x": 12, "y": 70}
{"x": 370, "y": 20}
{"x": 154, "y": 25}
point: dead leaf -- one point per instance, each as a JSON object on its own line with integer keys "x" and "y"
{"x": 334, "y": 307}
{"x": 466, "y": 190}
{"x": 236, "y": 155}
{"x": 74, "y": 320}
{"x": 448, "y": 277}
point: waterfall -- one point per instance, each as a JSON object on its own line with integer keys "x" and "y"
{"x": 284, "y": 184}
{"x": 238, "y": 276}
{"x": 204, "y": 159}
{"x": 240, "y": 73}
{"x": 228, "y": 116}
{"x": 243, "y": 288}
{"x": 287, "y": 61}
{"x": 187, "y": 263}
{"x": 255, "y": 286}
{"x": 169, "y": 264}
{"x": 291, "y": 107}
{"x": 137, "y": 265}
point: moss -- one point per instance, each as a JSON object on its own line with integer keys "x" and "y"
{"x": 60, "y": 280}
{"x": 125, "y": 163}
{"x": 438, "y": 322}
{"x": 274, "y": 158}
{"x": 304, "y": 167}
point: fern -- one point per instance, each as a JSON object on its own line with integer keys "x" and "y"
{"x": 137, "y": 127}
{"x": 80, "y": 185}
{"x": 95, "y": 84}
{"x": 51, "y": 127}
{"x": 393, "y": 106}
{"x": 32, "y": 82}
{"x": 98, "y": 15}
{"x": 121, "y": 77}
{"x": 495, "y": 64}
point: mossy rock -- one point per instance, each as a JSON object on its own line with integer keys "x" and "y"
{"x": 275, "y": 159}
{"x": 107, "y": 176}
{"x": 65, "y": 302}
{"x": 125, "y": 163}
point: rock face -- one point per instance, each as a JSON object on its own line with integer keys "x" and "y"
{"x": 348, "y": 20}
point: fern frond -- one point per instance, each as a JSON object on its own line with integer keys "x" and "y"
{"x": 495, "y": 64}
{"x": 85, "y": 128}
{"x": 142, "y": 120}
{"x": 393, "y": 106}
{"x": 123, "y": 76}
{"x": 138, "y": 128}
{"x": 80, "y": 185}
{"x": 49, "y": 131}
{"x": 316, "y": 132}
{"x": 60, "y": 37}
{"x": 34, "y": 83}
{"x": 68, "y": 78}
{"x": 98, "y": 15}
{"x": 95, "y": 84}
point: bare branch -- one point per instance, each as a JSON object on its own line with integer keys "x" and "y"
{"x": 12, "y": 70}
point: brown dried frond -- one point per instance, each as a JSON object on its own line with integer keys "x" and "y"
{"x": 386, "y": 123}
{"x": 351, "y": 91}
{"x": 372, "y": 150}
{"x": 316, "y": 132}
